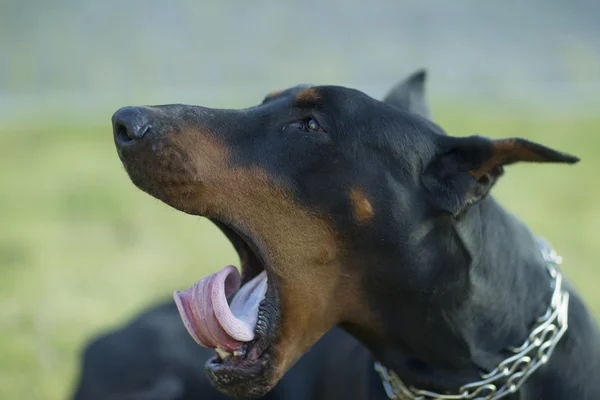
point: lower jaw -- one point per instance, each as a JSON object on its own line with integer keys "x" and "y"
{"x": 250, "y": 374}
{"x": 244, "y": 378}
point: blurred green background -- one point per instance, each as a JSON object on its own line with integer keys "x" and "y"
{"x": 81, "y": 249}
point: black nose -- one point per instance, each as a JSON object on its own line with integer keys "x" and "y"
{"x": 130, "y": 123}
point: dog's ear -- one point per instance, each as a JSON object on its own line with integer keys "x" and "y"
{"x": 466, "y": 168}
{"x": 409, "y": 94}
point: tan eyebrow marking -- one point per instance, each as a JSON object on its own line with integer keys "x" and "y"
{"x": 274, "y": 93}
{"x": 308, "y": 96}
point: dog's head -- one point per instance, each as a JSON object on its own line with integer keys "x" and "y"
{"x": 329, "y": 197}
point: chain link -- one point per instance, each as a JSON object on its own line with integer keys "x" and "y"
{"x": 510, "y": 374}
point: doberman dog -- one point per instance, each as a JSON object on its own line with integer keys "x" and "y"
{"x": 347, "y": 211}
{"x": 153, "y": 356}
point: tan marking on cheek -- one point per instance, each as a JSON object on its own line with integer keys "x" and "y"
{"x": 361, "y": 206}
{"x": 308, "y": 95}
{"x": 325, "y": 256}
{"x": 301, "y": 247}
{"x": 292, "y": 235}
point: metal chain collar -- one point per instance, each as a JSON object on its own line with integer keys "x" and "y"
{"x": 510, "y": 374}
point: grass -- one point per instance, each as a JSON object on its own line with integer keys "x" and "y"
{"x": 81, "y": 249}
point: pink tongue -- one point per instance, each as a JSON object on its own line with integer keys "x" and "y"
{"x": 210, "y": 320}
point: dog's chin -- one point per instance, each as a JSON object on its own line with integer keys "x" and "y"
{"x": 243, "y": 379}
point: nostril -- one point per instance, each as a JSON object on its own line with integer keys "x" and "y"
{"x": 122, "y": 134}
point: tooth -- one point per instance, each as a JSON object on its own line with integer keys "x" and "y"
{"x": 222, "y": 353}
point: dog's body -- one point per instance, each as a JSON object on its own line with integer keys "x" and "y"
{"x": 348, "y": 211}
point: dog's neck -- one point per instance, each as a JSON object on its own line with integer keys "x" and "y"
{"x": 508, "y": 283}
{"x": 492, "y": 288}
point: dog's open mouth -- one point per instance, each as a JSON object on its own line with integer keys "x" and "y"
{"x": 237, "y": 315}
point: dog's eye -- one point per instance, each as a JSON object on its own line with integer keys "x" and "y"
{"x": 312, "y": 125}
{"x": 306, "y": 125}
